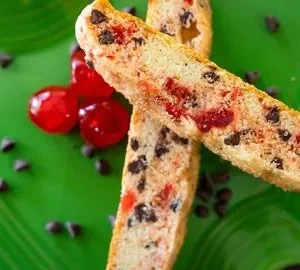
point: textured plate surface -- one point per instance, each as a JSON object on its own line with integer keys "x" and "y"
{"x": 262, "y": 227}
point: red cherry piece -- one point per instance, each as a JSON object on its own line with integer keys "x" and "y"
{"x": 54, "y": 109}
{"x": 103, "y": 122}
{"x": 85, "y": 81}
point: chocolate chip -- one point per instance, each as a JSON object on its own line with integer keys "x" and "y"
{"x": 163, "y": 133}
{"x": 73, "y": 229}
{"x": 142, "y": 212}
{"x": 111, "y": 220}
{"x": 292, "y": 267}
{"x": 272, "y": 91}
{"x": 141, "y": 185}
{"x": 53, "y": 227}
{"x": 74, "y": 48}
{"x": 284, "y": 134}
{"x": 224, "y": 194}
{"x": 204, "y": 194}
{"x": 272, "y": 24}
{"x": 7, "y": 145}
{"x": 106, "y": 37}
{"x": 21, "y": 165}
{"x": 97, "y": 17}
{"x": 134, "y": 144}
{"x": 164, "y": 30}
{"x": 233, "y": 140}
{"x": 251, "y": 77}
{"x": 201, "y": 211}
{"x": 130, "y": 9}
{"x": 151, "y": 245}
{"x": 4, "y": 186}
{"x": 278, "y": 162}
{"x": 140, "y": 41}
{"x": 186, "y": 17}
{"x": 205, "y": 184}
{"x": 273, "y": 116}
{"x": 160, "y": 150}
{"x": 211, "y": 76}
{"x": 5, "y": 59}
{"x": 102, "y": 166}
{"x": 179, "y": 140}
{"x": 130, "y": 222}
{"x": 138, "y": 165}
{"x": 90, "y": 64}
{"x": 221, "y": 208}
{"x": 176, "y": 205}
{"x": 88, "y": 150}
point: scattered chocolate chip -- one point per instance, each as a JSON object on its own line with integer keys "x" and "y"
{"x": 211, "y": 76}
{"x": 186, "y": 17}
{"x": 140, "y": 41}
{"x": 130, "y": 9}
{"x": 74, "y": 48}
{"x": 111, "y": 220}
{"x": 205, "y": 184}
{"x": 233, "y": 140}
{"x": 130, "y": 222}
{"x": 179, "y": 140}
{"x": 90, "y": 64}
{"x": 163, "y": 133}
{"x": 102, "y": 166}
{"x": 73, "y": 229}
{"x": 53, "y": 227}
{"x": 204, "y": 194}
{"x": 142, "y": 212}
{"x": 201, "y": 211}
{"x": 5, "y": 59}
{"x": 221, "y": 208}
{"x": 292, "y": 267}
{"x": 278, "y": 162}
{"x": 134, "y": 144}
{"x": 251, "y": 77}
{"x": 224, "y": 194}
{"x": 106, "y": 37}
{"x": 151, "y": 244}
{"x": 88, "y": 150}
{"x": 284, "y": 134}
{"x": 97, "y": 17}
{"x": 272, "y": 91}
{"x": 164, "y": 30}
{"x": 176, "y": 205}
{"x": 7, "y": 145}
{"x": 141, "y": 185}
{"x": 138, "y": 165}
{"x": 272, "y": 24}
{"x": 21, "y": 165}
{"x": 160, "y": 150}
{"x": 220, "y": 177}
{"x": 4, "y": 186}
{"x": 273, "y": 116}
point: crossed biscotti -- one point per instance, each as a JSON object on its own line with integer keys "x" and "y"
{"x": 161, "y": 168}
{"x": 193, "y": 96}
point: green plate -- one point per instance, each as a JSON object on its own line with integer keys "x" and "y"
{"x": 262, "y": 227}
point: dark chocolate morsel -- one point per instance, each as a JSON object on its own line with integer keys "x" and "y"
{"x": 160, "y": 150}
{"x": 7, "y": 145}
{"x": 176, "y": 205}
{"x": 73, "y": 229}
{"x": 88, "y": 150}
{"x": 130, "y": 9}
{"x": 21, "y": 165}
{"x": 273, "y": 116}
{"x": 139, "y": 41}
{"x": 97, "y": 17}
{"x": 221, "y": 208}
{"x": 204, "y": 194}
{"x": 90, "y": 64}
{"x": 4, "y": 186}
{"x": 5, "y": 59}
{"x": 272, "y": 24}
{"x": 141, "y": 185}
{"x": 134, "y": 144}
{"x": 272, "y": 91}
{"x": 130, "y": 222}
{"x": 251, "y": 77}
{"x": 138, "y": 165}
{"x": 224, "y": 194}
{"x": 211, "y": 76}
{"x": 186, "y": 17}
{"x": 164, "y": 30}
{"x": 106, "y": 37}
{"x": 102, "y": 166}
{"x": 179, "y": 140}
{"x": 233, "y": 140}
{"x": 284, "y": 134}
{"x": 143, "y": 212}
{"x": 163, "y": 133}
{"x": 278, "y": 162}
{"x": 53, "y": 227}
{"x": 201, "y": 211}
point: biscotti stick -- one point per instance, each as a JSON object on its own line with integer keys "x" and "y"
{"x": 193, "y": 96}
{"x": 164, "y": 186}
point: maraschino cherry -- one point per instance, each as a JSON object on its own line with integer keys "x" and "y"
{"x": 103, "y": 122}
{"x": 54, "y": 109}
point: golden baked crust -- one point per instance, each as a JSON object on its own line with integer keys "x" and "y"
{"x": 167, "y": 184}
{"x": 196, "y": 98}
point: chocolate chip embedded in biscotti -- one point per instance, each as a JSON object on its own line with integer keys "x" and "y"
{"x": 163, "y": 133}
{"x": 134, "y": 144}
{"x": 251, "y": 77}
{"x": 284, "y": 135}
{"x": 143, "y": 213}
{"x": 164, "y": 30}
{"x": 90, "y": 64}
{"x": 176, "y": 205}
{"x": 106, "y": 37}
{"x": 272, "y": 91}
{"x": 273, "y": 116}
{"x": 160, "y": 150}
{"x": 139, "y": 41}
{"x": 141, "y": 184}
{"x": 272, "y": 24}
{"x": 97, "y": 17}
{"x": 211, "y": 76}
{"x": 138, "y": 165}
{"x": 130, "y": 222}
{"x": 130, "y": 9}
{"x": 186, "y": 17}
{"x": 278, "y": 163}
{"x": 179, "y": 140}
{"x": 233, "y": 140}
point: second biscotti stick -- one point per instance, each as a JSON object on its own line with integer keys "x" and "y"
{"x": 193, "y": 96}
